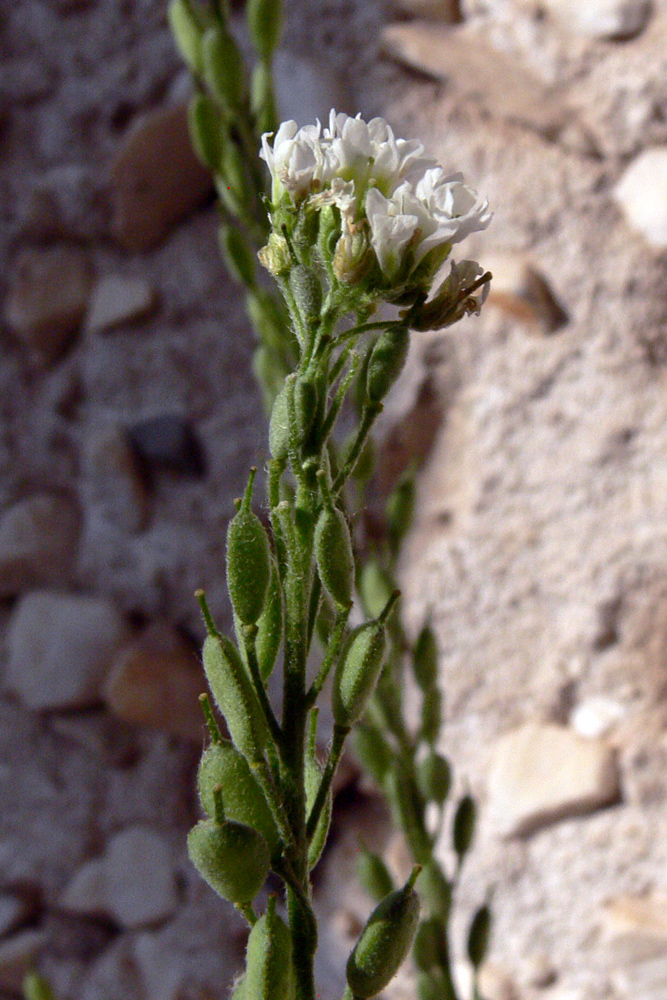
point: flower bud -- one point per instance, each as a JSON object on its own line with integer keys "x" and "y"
{"x": 434, "y": 778}
{"x": 279, "y": 425}
{"x": 313, "y": 777}
{"x": 358, "y": 669}
{"x": 268, "y": 974}
{"x": 232, "y": 857}
{"x": 275, "y": 256}
{"x": 270, "y": 627}
{"x": 425, "y": 659}
{"x": 353, "y": 257}
{"x": 374, "y": 875}
{"x": 386, "y": 362}
{"x": 375, "y": 587}
{"x": 238, "y": 256}
{"x": 265, "y": 20}
{"x": 187, "y": 34}
{"x": 435, "y": 891}
{"x": 223, "y": 67}
{"x": 478, "y": 936}
{"x": 333, "y": 552}
{"x": 248, "y": 561}
{"x": 222, "y": 766}
{"x": 307, "y": 292}
{"x": 464, "y": 826}
{"x": 408, "y": 808}
{"x": 384, "y": 942}
{"x": 372, "y": 752}
{"x": 205, "y": 131}
{"x": 235, "y": 695}
{"x": 427, "y": 947}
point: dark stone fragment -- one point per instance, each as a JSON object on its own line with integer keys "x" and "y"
{"x": 167, "y": 443}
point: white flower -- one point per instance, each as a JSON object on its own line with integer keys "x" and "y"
{"x": 297, "y": 160}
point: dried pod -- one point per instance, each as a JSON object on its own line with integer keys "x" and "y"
{"x": 434, "y": 777}
{"x": 478, "y": 936}
{"x": 464, "y": 826}
{"x": 235, "y": 695}
{"x": 232, "y": 857}
{"x": 248, "y": 561}
{"x": 384, "y": 942}
{"x": 333, "y": 552}
{"x": 223, "y": 67}
{"x": 374, "y": 875}
{"x": 223, "y": 766}
{"x": 268, "y": 974}
{"x": 386, "y": 362}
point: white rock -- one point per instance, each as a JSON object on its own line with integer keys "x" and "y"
{"x": 596, "y": 716}
{"x": 38, "y": 537}
{"x": 133, "y": 882}
{"x": 17, "y": 956}
{"x": 118, "y": 299}
{"x": 635, "y": 927}
{"x": 601, "y": 18}
{"x": 541, "y": 773}
{"x": 643, "y": 981}
{"x": 59, "y": 649}
{"x": 642, "y": 195}
{"x": 495, "y": 983}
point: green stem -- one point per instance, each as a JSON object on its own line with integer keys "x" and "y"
{"x": 339, "y": 737}
{"x": 368, "y": 416}
{"x": 248, "y": 912}
{"x": 250, "y": 636}
{"x": 333, "y": 649}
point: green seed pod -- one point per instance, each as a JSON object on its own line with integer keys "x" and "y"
{"x": 359, "y": 666}
{"x": 433, "y": 986}
{"x": 187, "y": 34}
{"x": 375, "y": 587}
{"x": 373, "y": 752}
{"x": 239, "y": 990}
{"x": 426, "y": 950}
{"x": 269, "y": 371}
{"x": 223, "y": 766}
{"x": 279, "y": 426}
{"x": 374, "y": 875}
{"x": 386, "y": 362}
{"x": 435, "y": 891}
{"x": 35, "y": 987}
{"x": 268, "y": 321}
{"x": 305, "y": 406}
{"x": 464, "y": 826}
{"x": 268, "y": 974}
{"x": 205, "y": 131}
{"x": 238, "y": 256}
{"x": 235, "y": 177}
{"x": 313, "y": 777}
{"x": 408, "y": 808}
{"x": 270, "y": 627}
{"x": 333, "y": 552}
{"x": 384, "y": 943}
{"x": 235, "y": 695}
{"x": 265, "y": 21}
{"x": 431, "y": 716}
{"x": 223, "y": 67}
{"x": 434, "y": 777}
{"x": 425, "y": 659}
{"x": 365, "y": 466}
{"x": 232, "y": 857}
{"x": 478, "y": 937}
{"x": 262, "y": 99}
{"x": 399, "y": 508}
{"x": 307, "y": 292}
{"x": 248, "y": 561}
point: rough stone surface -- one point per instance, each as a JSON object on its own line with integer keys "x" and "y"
{"x": 117, "y": 300}
{"x": 543, "y": 773}
{"x": 133, "y": 882}
{"x": 156, "y": 681}
{"x": 642, "y": 195}
{"x": 602, "y": 18}
{"x": 47, "y": 298}
{"x": 114, "y": 486}
{"x": 60, "y": 647}
{"x": 448, "y": 11}
{"x": 38, "y": 539}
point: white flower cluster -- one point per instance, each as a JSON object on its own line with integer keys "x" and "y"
{"x": 407, "y": 199}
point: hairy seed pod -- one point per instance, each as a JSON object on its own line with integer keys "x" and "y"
{"x": 265, "y": 20}
{"x": 427, "y": 947}
{"x": 268, "y": 974}
{"x": 399, "y": 508}
{"x": 435, "y": 891}
{"x": 374, "y": 875}
{"x": 375, "y": 587}
{"x": 235, "y": 695}
{"x": 433, "y": 986}
{"x": 270, "y": 627}
{"x": 357, "y": 673}
{"x": 434, "y": 777}
{"x": 464, "y": 826}
{"x": 384, "y": 942}
{"x": 248, "y": 562}
{"x": 224, "y": 70}
{"x": 431, "y": 716}
{"x": 305, "y": 406}
{"x": 239, "y": 258}
{"x": 386, "y": 362}
{"x": 313, "y": 777}
{"x": 373, "y": 752}
{"x": 187, "y": 34}
{"x": 232, "y": 857}
{"x": 425, "y": 659}
{"x": 409, "y": 812}
{"x": 279, "y": 426}
{"x": 478, "y": 936}
{"x": 333, "y": 552}
{"x": 307, "y": 292}
{"x": 223, "y": 766}
{"x": 205, "y": 131}
{"x": 269, "y": 371}
{"x": 239, "y": 990}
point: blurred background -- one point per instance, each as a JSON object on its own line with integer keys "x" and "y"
{"x": 129, "y": 418}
